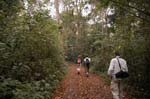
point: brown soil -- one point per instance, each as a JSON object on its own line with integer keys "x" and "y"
{"x": 75, "y": 86}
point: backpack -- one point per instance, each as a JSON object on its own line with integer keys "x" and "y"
{"x": 87, "y": 61}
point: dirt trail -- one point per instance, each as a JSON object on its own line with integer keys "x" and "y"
{"x": 81, "y": 87}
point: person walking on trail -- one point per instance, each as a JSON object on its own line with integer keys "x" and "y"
{"x": 116, "y": 65}
{"x": 87, "y": 62}
{"x": 78, "y": 64}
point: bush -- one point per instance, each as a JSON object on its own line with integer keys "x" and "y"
{"x": 14, "y": 89}
{"x": 31, "y": 59}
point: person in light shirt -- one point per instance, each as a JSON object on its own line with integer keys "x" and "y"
{"x": 87, "y": 62}
{"x": 116, "y": 84}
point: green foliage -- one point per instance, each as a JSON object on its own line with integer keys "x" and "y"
{"x": 129, "y": 34}
{"x": 31, "y": 59}
{"x": 14, "y": 89}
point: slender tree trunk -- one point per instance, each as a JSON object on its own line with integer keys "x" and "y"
{"x": 57, "y": 11}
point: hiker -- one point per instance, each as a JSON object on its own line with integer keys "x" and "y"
{"x": 87, "y": 61}
{"x": 78, "y": 64}
{"x": 116, "y": 65}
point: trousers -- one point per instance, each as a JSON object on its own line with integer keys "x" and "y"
{"x": 117, "y": 89}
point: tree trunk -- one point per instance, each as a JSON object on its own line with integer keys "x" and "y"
{"x": 57, "y": 11}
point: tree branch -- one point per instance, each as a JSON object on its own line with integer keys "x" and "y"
{"x": 129, "y": 6}
{"x": 134, "y": 14}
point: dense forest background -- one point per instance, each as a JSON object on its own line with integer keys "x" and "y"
{"x": 31, "y": 59}
{"x": 112, "y": 25}
{"x": 34, "y": 45}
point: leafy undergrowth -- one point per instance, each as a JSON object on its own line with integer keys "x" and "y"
{"x": 35, "y": 89}
{"x": 42, "y": 89}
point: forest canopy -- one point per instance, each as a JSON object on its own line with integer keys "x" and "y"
{"x": 34, "y": 45}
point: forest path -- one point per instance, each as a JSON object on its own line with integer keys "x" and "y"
{"x": 75, "y": 86}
